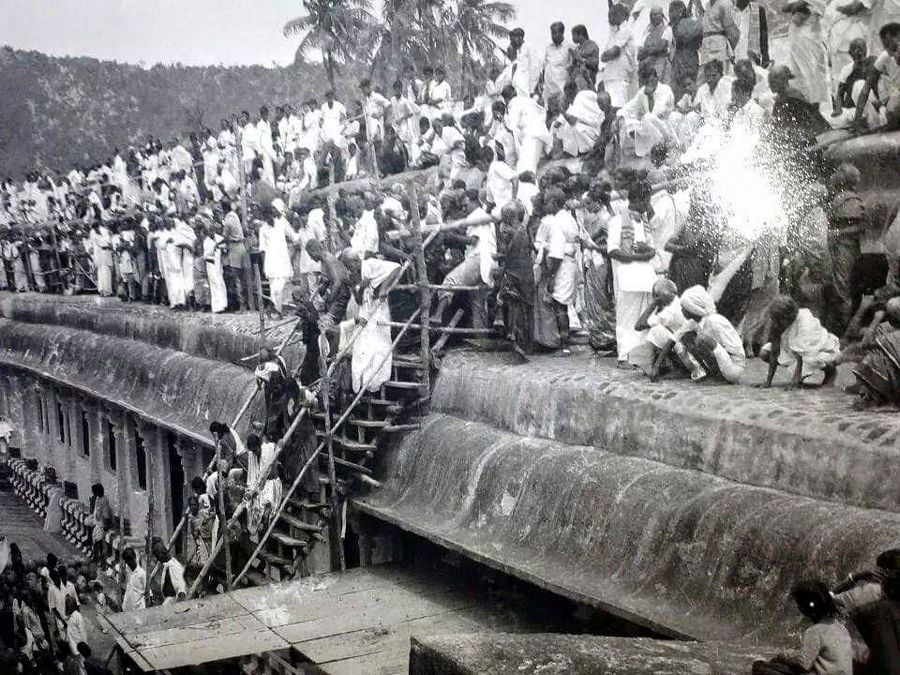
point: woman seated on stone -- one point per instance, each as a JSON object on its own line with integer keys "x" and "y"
{"x": 795, "y": 335}
{"x": 825, "y": 648}
{"x": 708, "y": 345}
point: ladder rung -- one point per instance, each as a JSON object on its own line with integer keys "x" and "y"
{"x": 402, "y": 362}
{"x": 368, "y": 480}
{"x": 346, "y": 443}
{"x": 289, "y": 541}
{"x": 396, "y": 428}
{"x": 308, "y": 506}
{"x": 352, "y": 466}
{"x": 395, "y": 384}
{"x": 298, "y": 524}
{"x": 378, "y": 401}
{"x": 368, "y": 424}
{"x": 273, "y": 559}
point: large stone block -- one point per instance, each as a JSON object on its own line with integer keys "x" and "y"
{"x": 681, "y": 552}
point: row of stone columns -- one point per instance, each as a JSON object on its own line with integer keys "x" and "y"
{"x": 50, "y": 427}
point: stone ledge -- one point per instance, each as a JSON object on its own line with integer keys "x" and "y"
{"x": 552, "y": 654}
{"x": 218, "y": 337}
{"x": 683, "y": 553}
{"x": 809, "y": 443}
{"x": 169, "y": 388}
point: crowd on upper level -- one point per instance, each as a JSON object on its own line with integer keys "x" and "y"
{"x": 583, "y": 189}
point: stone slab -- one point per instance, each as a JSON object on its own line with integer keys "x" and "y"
{"x": 551, "y": 654}
{"x": 679, "y": 551}
{"x": 806, "y": 442}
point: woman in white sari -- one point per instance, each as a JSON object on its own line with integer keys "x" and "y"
{"x": 808, "y": 58}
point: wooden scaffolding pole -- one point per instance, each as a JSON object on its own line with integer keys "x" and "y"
{"x": 424, "y": 289}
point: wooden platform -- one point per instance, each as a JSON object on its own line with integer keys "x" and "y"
{"x": 358, "y": 621}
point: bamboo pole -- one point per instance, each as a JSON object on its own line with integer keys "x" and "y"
{"x": 337, "y": 548}
{"x": 150, "y": 508}
{"x": 312, "y": 458}
{"x": 424, "y": 291}
{"x": 220, "y": 492}
{"x": 442, "y": 329}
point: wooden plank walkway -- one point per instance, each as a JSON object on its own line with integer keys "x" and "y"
{"x": 358, "y": 621}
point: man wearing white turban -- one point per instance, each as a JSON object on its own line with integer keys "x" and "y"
{"x": 708, "y": 344}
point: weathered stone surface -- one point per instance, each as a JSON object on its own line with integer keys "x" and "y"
{"x": 805, "y": 442}
{"x": 552, "y": 654}
{"x": 228, "y": 337}
{"x": 170, "y": 388}
{"x": 682, "y": 552}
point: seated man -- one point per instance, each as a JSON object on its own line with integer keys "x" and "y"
{"x": 577, "y": 129}
{"x": 644, "y": 117}
{"x": 662, "y": 319}
{"x": 796, "y": 335}
{"x": 851, "y": 81}
{"x": 708, "y": 344}
{"x": 710, "y": 102}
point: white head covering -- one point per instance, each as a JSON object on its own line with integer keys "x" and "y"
{"x": 697, "y": 300}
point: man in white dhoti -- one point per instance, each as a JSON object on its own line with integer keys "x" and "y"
{"x": 633, "y": 275}
{"x": 307, "y": 270}
{"x": 562, "y": 267}
{"x": 557, "y": 61}
{"x": 528, "y": 122}
{"x": 185, "y": 238}
{"x": 102, "y": 254}
{"x": 273, "y": 243}
{"x": 134, "y": 597}
{"x": 617, "y": 60}
{"x": 404, "y": 116}
{"x": 333, "y": 114}
{"x": 213, "y": 246}
{"x": 644, "y": 119}
{"x": 371, "y": 355}
{"x": 526, "y": 68}
{"x": 265, "y": 146}
{"x": 576, "y": 131}
{"x": 249, "y": 142}
{"x": 375, "y": 109}
{"x": 365, "y": 239}
{"x": 808, "y": 59}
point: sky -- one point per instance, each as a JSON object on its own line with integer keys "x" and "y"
{"x": 203, "y": 32}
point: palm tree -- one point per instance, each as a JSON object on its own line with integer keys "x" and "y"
{"x": 334, "y": 28}
{"x": 477, "y": 25}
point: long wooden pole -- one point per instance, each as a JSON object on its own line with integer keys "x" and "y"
{"x": 424, "y": 289}
{"x": 148, "y": 456}
{"x": 220, "y": 507}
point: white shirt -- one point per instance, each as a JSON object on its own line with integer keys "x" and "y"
{"x": 621, "y": 67}
{"x": 486, "y": 246}
{"x": 365, "y": 236}
{"x": 332, "y": 118}
{"x": 556, "y": 67}
{"x": 639, "y": 105}
{"x": 715, "y": 104}
{"x": 134, "y": 590}
{"x": 527, "y": 67}
{"x": 499, "y": 183}
{"x": 249, "y": 141}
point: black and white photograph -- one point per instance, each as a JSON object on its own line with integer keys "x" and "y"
{"x": 450, "y": 337}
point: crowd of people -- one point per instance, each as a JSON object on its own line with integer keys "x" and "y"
{"x": 42, "y": 628}
{"x": 663, "y": 195}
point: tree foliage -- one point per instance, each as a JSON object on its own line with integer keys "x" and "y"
{"x": 58, "y": 112}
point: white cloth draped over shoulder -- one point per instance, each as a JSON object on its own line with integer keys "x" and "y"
{"x": 371, "y": 359}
